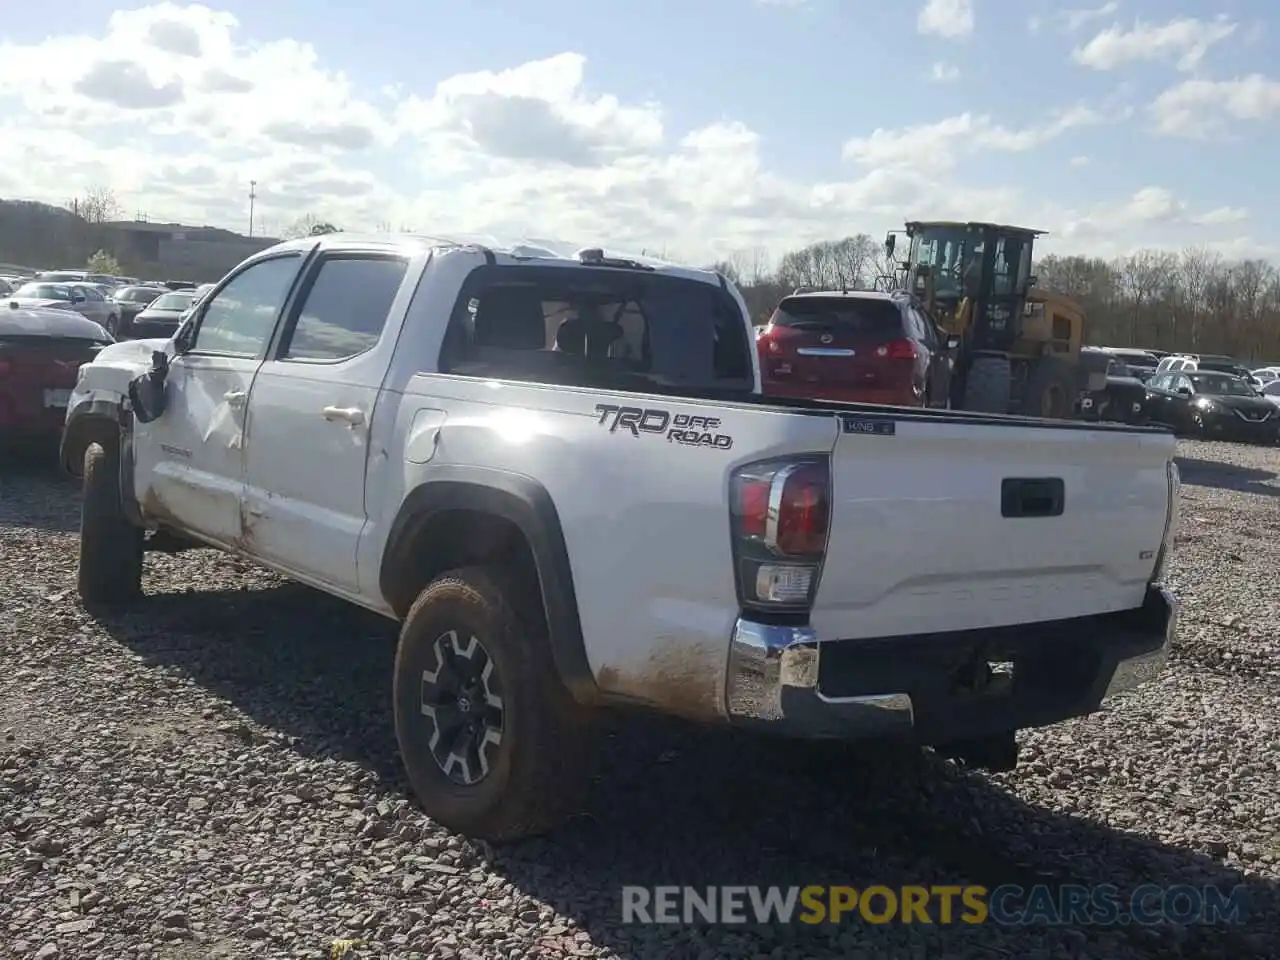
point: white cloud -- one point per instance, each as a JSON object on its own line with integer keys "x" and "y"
{"x": 944, "y": 73}
{"x": 1185, "y": 41}
{"x": 951, "y": 19}
{"x": 938, "y": 146}
{"x": 1197, "y": 108}
{"x": 1080, "y": 161}
{"x": 1151, "y": 206}
{"x": 1075, "y": 19}
{"x": 1071, "y": 20}
{"x": 197, "y": 110}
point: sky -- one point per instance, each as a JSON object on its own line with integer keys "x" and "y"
{"x": 701, "y": 129}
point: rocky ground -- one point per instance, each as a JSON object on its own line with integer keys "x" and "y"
{"x": 214, "y": 775}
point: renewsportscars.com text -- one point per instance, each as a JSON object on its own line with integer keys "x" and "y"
{"x": 1072, "y": 905}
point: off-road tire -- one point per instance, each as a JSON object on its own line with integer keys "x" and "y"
{"x": 110, "y": 546}
{"x": 988, "y": 385}
{"x": 1054, "y": 379}
{"x": 539, "y": 773}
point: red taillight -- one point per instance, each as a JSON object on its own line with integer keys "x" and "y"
{"x": 781, "y": 516}
{"x": 753, "y": 507}
{"x": 898, "y": 350}
{"x": 803, "y": 513}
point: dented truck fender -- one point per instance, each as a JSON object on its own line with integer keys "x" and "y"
{"x": 526, "y": 504}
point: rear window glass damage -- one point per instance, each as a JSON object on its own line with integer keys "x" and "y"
{"x": 612, "y": 329}
{"x": 872, "y": 317}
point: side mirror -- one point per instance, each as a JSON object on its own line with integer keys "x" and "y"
{"x": 890, "y": 242}
{"x": 953, "y": 341}
{"x": 78, "y": 298}
{"x": 1183, "y": 391}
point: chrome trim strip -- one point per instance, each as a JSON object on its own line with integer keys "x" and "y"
{"x": 825, "y": 352}
{"x": 893, "y": 703}
{"x": 776, "y": 488}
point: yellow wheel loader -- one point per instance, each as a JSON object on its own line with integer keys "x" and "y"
{"x": 1019, "y": 347}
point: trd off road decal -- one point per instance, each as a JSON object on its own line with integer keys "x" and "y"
{"x": 682, "y": 428}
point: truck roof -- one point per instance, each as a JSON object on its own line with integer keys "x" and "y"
{"x": 512, "y": 250}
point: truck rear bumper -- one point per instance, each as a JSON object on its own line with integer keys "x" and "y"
{"x": 938, "y": 688}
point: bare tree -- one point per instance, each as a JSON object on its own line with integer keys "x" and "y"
{"x": 308, "y": 225}
{"x": 98, "y": 205}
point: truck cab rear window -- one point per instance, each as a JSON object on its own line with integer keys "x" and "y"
{"x": 872, "y": 317}
{"x": 611, "y": 329}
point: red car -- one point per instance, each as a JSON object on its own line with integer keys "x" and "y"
{"x": 41, "y": 351}
{"x": 859, "y": 346}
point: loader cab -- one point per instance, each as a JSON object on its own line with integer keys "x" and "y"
{"x": 987, "y": 264}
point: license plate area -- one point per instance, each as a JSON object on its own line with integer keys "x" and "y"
{"x": 57, "y": 399}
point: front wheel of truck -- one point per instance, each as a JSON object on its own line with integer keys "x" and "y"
{"x": 494, "y": 745}
{"x": 110, "y": 569}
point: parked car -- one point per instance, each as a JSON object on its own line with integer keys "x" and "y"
{"x": 160, "y": 318}
{"x": 131, "y": 301}
{"x": 857, "y": 346}
{"x": 63, "y": 276}
{"x": 559, "y": 476}
{"x": 40, "y": 352}
{"x": 1271, "y": 392}
{"x": 82, "y": 298}
{"x": 1122, "y": 400}
{"x": 6, "y": 288}
{"x": 1139, "y": 363}
{"x": 1212, "y": 405}
{"x": 1265, "y": 375}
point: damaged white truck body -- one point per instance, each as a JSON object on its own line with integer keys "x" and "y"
{"x": 557, "y": 473}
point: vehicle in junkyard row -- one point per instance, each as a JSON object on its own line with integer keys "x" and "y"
{"x": 1212, "y": 405}
{"x": 160, "y": 318}
{"x": 41, "y": 351}
{"x": 1122, "y": 400}
{"x": 82, "y": 298}
{"x": 131, "y": 301}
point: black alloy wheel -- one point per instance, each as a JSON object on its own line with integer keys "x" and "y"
{"x": 461, "y": 702}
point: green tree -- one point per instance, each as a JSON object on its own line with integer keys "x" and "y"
{"x": 103, "y": 262}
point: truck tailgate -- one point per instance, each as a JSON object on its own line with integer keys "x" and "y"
{"x": 921, "y": 539}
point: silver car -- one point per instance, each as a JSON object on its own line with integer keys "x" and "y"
{"x": 85, "y": 300}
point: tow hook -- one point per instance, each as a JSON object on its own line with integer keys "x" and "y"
{"x": 995, "y": 753}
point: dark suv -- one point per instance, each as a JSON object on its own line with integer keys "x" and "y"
{"x": 858, "y": 346}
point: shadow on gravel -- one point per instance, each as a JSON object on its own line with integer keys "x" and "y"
{"x": 34, "y": 492}
{"x": 1226, "y": 476}
{"x": 681, "y": 806}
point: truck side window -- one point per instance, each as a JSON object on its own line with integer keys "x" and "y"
{"x": 345, "y": 308}
{"x": 239, "y": 321}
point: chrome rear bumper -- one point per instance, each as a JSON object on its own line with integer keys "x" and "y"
{"x": 776, "y": 676}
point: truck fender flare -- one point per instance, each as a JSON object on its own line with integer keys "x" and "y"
{"x": 524, "y": 502}
{"x": 87, "y": 418}
{"x": 94, "y": 419}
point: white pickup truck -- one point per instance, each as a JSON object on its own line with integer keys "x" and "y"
{"x": 557, "y": 473}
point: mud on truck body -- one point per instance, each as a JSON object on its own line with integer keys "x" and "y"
{"x": 555, "y": 471}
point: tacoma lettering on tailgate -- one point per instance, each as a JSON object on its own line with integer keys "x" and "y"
{"x": 682, "y": 428}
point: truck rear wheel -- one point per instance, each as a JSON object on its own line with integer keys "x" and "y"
{"x": 110, "y": 546}
{"x": 1051, "y": 389}
{"x": 987, "y": 386}
{"x": 494, "y": 745}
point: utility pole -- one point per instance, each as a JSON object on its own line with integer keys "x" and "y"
{"x": 253, "y": 195}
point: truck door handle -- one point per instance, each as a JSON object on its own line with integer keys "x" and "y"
{"x": 235, "y": 398}
{"x": 351, "y": 415}
{"x": 1032, "y": 497}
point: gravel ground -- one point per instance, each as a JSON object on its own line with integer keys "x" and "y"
{"x": 214, "y": 775}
